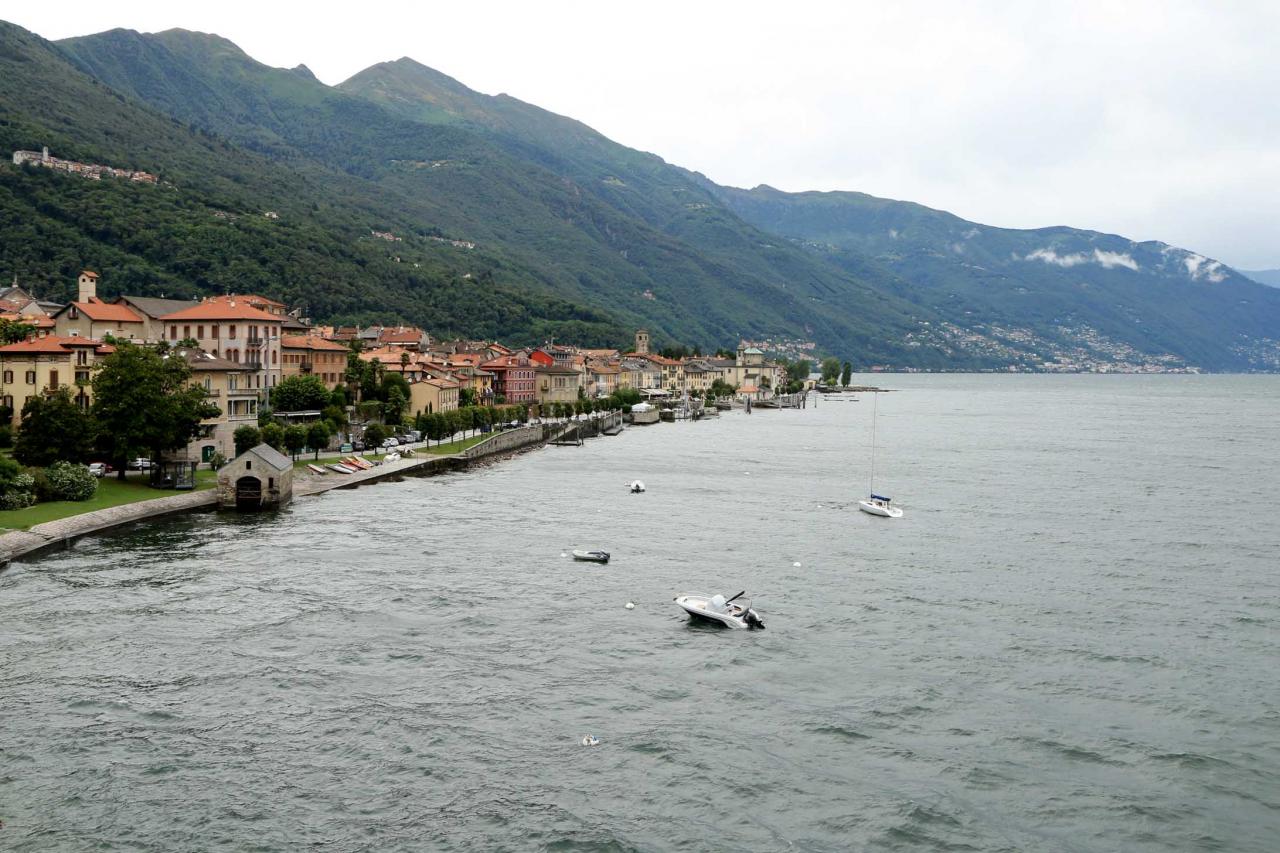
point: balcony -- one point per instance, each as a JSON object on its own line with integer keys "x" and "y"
{"x": 305, "y": 366}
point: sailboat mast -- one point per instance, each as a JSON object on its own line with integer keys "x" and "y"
{"x": 875, "y": 405}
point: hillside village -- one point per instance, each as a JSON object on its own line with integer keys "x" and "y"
{"x": 239, "y": 348}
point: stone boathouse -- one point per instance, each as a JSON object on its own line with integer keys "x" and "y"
{"x": 259, "y": 478}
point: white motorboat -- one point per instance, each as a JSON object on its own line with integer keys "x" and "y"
{"x": 881, "y": 506}
{"x": 590, "y": 556}
{"x": 391, "y": 457}
{"x": 729, "y": 612}
{"x": 636, "y": 487}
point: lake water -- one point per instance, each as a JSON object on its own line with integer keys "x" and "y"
{"x": 1070, "y": 642}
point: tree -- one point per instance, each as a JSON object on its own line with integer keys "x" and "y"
{"x": 798, "y": 370}
{"x": 466, "y": 397}
{"x": 245, "y": 437}
{"x": 846, "y": 373}
{"x": 14, "y": 331}
{"x": 53, "y": 428}
{"x": 374, "y": 435}
{"x": 295, "y": 438}
{"x": 300, "y": 394}
{"x": 830, "y": 370}
{"x": 273, "y": 435}
{"x": 144, "y": 402}
{"x": 394, "y": 406}
{"x": 318, "y": 437}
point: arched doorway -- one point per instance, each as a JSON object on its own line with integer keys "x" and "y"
{"x": 248, "y": 493}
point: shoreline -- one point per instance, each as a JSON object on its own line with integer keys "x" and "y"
{"x": 62, "y": 533}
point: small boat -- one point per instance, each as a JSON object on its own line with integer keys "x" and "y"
{"x": 391, "y": 457}
{"x": 591, "y": 556}
{"x": 881, "y": 506}
{"x": 316, "y": 469}
{"x": 341, "y": 469}
{"x": 636, "y": 487}
{"x": 728, "y": 612}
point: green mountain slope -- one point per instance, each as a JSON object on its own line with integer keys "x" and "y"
{"x": 203, "y": 229}
{"x": 1057, "y": 282}
{"x": 665, "y": 254}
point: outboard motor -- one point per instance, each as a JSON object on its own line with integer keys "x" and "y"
{"x": 752, "y": 620}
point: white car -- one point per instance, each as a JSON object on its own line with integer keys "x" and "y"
{"x": 390, "y": 442}
{"x": 141, "y": 464}
{"x": 98, "y": 469}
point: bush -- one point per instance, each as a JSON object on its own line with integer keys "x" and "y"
{"x": 42, "y": 489}
{"x": 17, "y": 500}
{"x": 71, "y": 482}
{"x": 374, "y": 435}
{"x": 6, "y": 436}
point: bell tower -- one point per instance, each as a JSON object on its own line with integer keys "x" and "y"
{"x": 642, "y": 342}
{"x": 87, "y": 286}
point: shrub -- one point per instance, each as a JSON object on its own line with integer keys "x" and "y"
{"x": 17, "y": 500}
{"x": 71, "y": 482}
{"x": 42, "y": 489}
{"x": 6, "y": 436}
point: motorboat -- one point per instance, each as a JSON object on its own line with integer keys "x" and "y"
{"x": 590, "y": 556}
{"x": 391, "y": 457}
{"x": 729, "y": 612}
{"x": 880, "y": 505}
{"x": 636, "y": 487}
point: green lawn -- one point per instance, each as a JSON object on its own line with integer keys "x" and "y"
{"x": 452, "y": 447}
{"x": 111, "y": 492}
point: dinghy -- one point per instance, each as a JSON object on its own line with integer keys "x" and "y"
{"x": 591, "y": 556}
{"x": 316, "y": 469}
{"x": 341, "y": 469}
{"x": 728, "y": 612}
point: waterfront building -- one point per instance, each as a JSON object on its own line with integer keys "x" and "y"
{"x": 41, "y": 365}
{"x": 90, "y": 317}
{"x": 259, "y": 478}
{"x": 227, "y": 386}
{"x": 151, "y": 309}
{"x": 513, "y": 377}
{"x": 433, "y": 394}
{"x": 227, "y": 327}
{"x": 558, "y": 384}
{"x": 311, "y": 355}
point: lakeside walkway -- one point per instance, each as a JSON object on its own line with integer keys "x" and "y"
{"x": 52, "y": 535}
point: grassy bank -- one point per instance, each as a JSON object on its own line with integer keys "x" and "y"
{"x": 437, "y": 449}
{"x": 111, "y": 492}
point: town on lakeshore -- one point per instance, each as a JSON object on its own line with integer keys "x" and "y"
{"x": 178, "y": 388}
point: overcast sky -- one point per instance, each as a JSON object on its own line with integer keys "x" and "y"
{"x": 1153, "y": 120}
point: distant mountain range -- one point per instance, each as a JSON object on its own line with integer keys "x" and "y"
{"x": 1268, "y": 277}
{"x": 494, "y": 217}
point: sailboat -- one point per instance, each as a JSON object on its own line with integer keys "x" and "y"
{"x": 877, "y": 504}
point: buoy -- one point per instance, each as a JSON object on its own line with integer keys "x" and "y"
{"x": 631, "y": 606}
{"x": 590, "y": 740}
{"x": 795, "y": 565}
{"x": 563, "y": 554}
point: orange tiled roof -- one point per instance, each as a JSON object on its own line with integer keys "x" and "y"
{"x": 116, "y": 312}
{"x": 251, "y": 298}
{"x": 311, "y": 342}
{"x": 215, "y": 309}
{"x": 54, "y": 345}
{"x": 400, "y": 335}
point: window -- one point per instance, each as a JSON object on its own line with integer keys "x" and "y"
{"x": 82, "y": 357}
{"x": 214, "y": 332}
{"x": 208, "y": 384}
{"x": 8, "y": 376}
{"x": 232, "y": 381}
{"x": 53, "y": 379}
{"x": 31, "y": 377}
{"x": 173, "y": 333}
{"x": 248, "y": 464}
{"x": 7, "y": 400}
{"x": 274, "y": 354}
{"x": 82, "y": 377}
{"x": 200, "y": 332}
{"x": 231, "y": 333}
{"x": 186, "y": 332}
{"x": 73, "y": 313}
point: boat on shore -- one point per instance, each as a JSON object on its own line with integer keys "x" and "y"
{"x": 590, "y": 556}
{"x": 728, "y": 612}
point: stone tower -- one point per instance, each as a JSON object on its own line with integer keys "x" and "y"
{"x": 87, "y": 286}
{"x": 642, "y": 342}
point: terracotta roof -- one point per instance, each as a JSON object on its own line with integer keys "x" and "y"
{"x": 310, "y": 342}
{"x": 213, "y": 309}
{"x": 105, "y": 311}
{"x": 400, "y": 335}
{"x": 55, "y": 345}
{"x": 201, "y": 360}
{"x": 90, "y": 273}
{"x": 155, "y": 306}
{"x": 251, "y": 298}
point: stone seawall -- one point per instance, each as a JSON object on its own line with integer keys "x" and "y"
{"x": 62, "y": 533}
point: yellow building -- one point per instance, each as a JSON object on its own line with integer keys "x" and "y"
{"x": 302, "y": 355}
{"x": 90, "y": 317}
{"x": 430, "y": 395}
{"x": 557, "y": 384}
{"x": 40, "y": 365}
{"x": 228, "y": 386}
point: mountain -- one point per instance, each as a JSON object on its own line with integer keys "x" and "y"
{"x": 403, "y": 194}
{"x": 644, "y": 243}
{"x": 1068, "y": 287}
{"x": 203, "y": 228}
{"x": 1267, "y": 277}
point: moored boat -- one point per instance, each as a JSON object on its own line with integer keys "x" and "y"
{"x": 590, "y": 556}
{"x": 730, "y": 612}
{"x": 880, "y": 505}
{"x": 636, "y": 487}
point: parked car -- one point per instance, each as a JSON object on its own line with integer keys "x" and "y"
{"x": 390, "y": 442}
{"x": 347, "y": 448}
{"x": 415, "y": 435}
{"x": 98, "y": 469}
{"x": 140, "y": 464}
{"x": 357, "y": 446}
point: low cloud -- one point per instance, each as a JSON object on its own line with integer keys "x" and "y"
{"x": 1108, "y": 260}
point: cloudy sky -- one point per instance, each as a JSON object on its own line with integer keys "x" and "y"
{"x": 1155, "y": 120}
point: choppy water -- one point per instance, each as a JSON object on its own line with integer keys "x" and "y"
{"x": 1069, "y": 643}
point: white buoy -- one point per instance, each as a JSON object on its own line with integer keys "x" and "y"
{"x": 795, "y": 565}
{"x": 590, "y": 740}
{"x": 631, "y": 605}
{"x": 563, "y": 554}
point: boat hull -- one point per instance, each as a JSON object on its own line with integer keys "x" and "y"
{"x": 873, "y": 508}
{"x": 591, "y": 556}
{"x": 696, "y": 605}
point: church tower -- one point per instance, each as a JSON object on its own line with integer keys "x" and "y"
{"x": 642, "y": 342}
